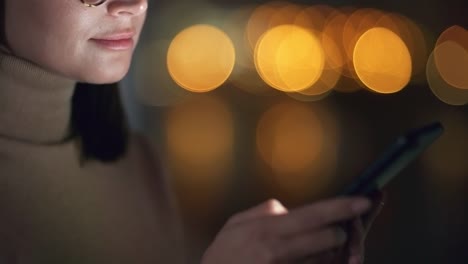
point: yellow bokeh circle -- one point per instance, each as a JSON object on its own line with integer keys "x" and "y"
{"x": 382, "y": 61}
{"x": 289, "y": 58}
{"x": 201, "y": 58}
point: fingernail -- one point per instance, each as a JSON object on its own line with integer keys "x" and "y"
{"x": 361, "y": 205}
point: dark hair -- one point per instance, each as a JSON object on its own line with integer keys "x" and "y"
{"x": 99, "y": 122}
{"x": 2, "y": 23}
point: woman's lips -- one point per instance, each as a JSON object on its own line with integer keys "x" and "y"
{"x": 122, "y": 40}
{"x": 115, "y": 44}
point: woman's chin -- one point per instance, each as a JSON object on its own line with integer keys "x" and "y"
{"x": 104, "y": 77}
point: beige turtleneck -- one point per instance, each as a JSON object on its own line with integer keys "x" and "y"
{"x": 34, "y": 104}
{"x": 52, "y": 209}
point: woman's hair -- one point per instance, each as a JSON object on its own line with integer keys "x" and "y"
{"x": 99, "y": 122}
{"x": 98, "y": 119}
{"x": 2, "y": 22}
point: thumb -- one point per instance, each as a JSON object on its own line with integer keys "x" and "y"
{"x": 268, "y": 208}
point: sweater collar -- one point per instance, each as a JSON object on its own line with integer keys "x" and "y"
{"x": 35, "y": 105}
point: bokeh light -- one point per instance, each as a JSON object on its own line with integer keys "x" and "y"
{"x": 289, "y": 58}
{"x": 235, "y": 26}
{"x": 414, "y": 38}
{"x": 333, "y": 31}
{"x": 200, "y": 142}
{"x": 334, "y": 55}
{"x": 260, "y": 21}
{"x": 313, "y": 17}
{"x": 330, "y": 75}
{"x": 452, "y": 62}
{"x": 454, "y": 33}
{"x": 289, "y": 138}
{"x": 451, "y": 56}
{"x": 297, "y": 143}
{"x": 357, "y": 23}
{"x": 285, "y": 15}
{"x": 244, "y": 75}
{"x": 201, "y": 58}
{"x": 382, "y": 61}
{"x": 335, "y": 50}
{"x": 306, "y": 49}
{"x": 321, "y": 89}
{"x": 441, "y": 89}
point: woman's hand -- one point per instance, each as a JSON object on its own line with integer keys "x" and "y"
{"x": 353, "y": 251}
{"x": 269, "y": 233}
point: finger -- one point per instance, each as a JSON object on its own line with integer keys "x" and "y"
{"x": 355, "y": 260}
{"x": 309, "y": 244}
{"x": 268, "y": 208}
{"x": 369, "y": 219}
{"x": 323, "y": 257}
{"x": 378, "y": 200}
{"x": 318, "y": 215}
{"x": 356, "y": 240}
{"x": 354, "y": 246}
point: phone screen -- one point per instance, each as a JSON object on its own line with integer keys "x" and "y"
{"x": 394, "y": 159}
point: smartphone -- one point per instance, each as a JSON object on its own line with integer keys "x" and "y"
{"x": 394, "y": 159}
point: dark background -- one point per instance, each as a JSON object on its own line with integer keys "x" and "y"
{"x": 424, "y": 220}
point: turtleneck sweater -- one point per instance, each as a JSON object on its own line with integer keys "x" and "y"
{"x": 55, "y": 209}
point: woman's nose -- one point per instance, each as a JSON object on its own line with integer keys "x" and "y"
{"x": 127, "y": 7}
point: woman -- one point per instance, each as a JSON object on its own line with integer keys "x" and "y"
{"x": 76, "y": 187}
